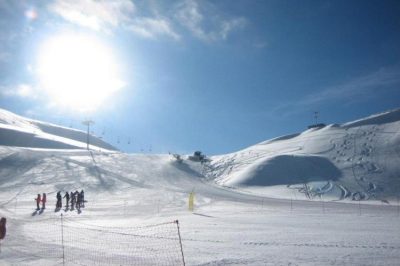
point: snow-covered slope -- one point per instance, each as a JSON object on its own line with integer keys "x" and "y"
{"x": 356, "y": 160}
{"x": 129, "y": 193}
{"x": 23, "y": 132}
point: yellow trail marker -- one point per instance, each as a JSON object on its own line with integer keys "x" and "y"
{"x": 191, "y": 201}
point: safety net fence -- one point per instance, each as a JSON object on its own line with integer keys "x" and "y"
{"x": 67, "y": 241}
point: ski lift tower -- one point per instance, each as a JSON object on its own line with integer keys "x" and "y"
{"x": 87, "y": 123}
{"x": 316, "y": 114}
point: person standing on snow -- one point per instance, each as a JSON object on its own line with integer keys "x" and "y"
{"x": 38, "y": 199}
{"x": 72, "y": 197}
{"x": 66, "y": 196}
{"x": 82, "y": 198}
{"x": 58, "y": 204}
{"x": 78, "y": 199}
{"x": 3, "y": 228}
{"x": 44, "y": 201}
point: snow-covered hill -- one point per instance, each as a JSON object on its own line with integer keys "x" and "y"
{"x": 23, "y": 132}
{"x": 359, "y": 160}
{"x": 356, "y": 160}
{"x": 129, "y": 193}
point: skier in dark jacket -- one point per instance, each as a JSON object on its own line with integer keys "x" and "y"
{"x": 82, "y": 198}
{"x": 78, "y": 199}
{"x": 72, "y": 197}
{"x": 59, "y": 204}
{"x": 38, "y": 199}
{"x": 3, "y": 228}
{"x": 66, "y": 196}
{"x": 44, "y": 201}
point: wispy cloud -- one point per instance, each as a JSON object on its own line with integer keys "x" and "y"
{"x": 206, "y": 24}
{"x": 228, "y": 26}
{"x": 356, "y": 89}
{"x": 152, "y": 28}
{"x": 192, "y": 16}
{"x": 105, "y": 16}
{"x": 20, "y": 90}
{"x": 100, "y": 15}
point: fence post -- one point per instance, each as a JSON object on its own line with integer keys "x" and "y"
{"x": 180, "y": 241}
{"x": 62, "y": 238}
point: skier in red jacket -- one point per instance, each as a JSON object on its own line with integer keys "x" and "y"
{"x": 38, "y": 199}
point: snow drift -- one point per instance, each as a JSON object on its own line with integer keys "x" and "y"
{"x": 275, "y": 171}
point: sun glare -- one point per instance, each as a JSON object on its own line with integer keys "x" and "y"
{"x": 78, "y": 72}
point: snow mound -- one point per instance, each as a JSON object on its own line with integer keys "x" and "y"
{"x": 357, "y": 161}
{"x": 286, "y": 170}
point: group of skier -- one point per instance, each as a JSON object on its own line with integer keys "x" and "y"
{"x": 74, "y": 199}
{"x": 41, "y": 199}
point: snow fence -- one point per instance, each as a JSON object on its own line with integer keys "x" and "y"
{"x": 65, "y": 241}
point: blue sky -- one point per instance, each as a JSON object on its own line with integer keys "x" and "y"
{"x": 215, "y": 76}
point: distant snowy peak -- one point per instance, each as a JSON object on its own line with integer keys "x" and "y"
{"x": 19, "y": 131}
{"x": 376, "y": 119}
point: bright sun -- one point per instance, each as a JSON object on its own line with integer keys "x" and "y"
{"x": 78, "y": 72}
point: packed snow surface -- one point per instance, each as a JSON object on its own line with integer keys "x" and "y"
{"x": 134, "y": 199}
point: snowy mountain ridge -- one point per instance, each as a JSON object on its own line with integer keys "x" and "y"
{"x": 19, "y": 131}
